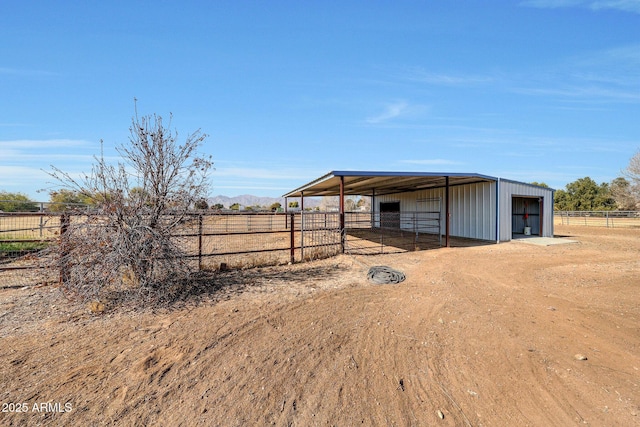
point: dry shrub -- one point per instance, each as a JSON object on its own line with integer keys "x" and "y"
{"x": 125, "y": 243}
{"x": 100, "y": 255}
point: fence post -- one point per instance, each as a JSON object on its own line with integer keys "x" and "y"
{"x": 415, "y": 230}
{"x": 200, "y": 242}
{"x": 41, "y": 218}
{"x": 293, "y": 239}
{"x": 64, "y": 248}
{"x": 302, "y": 235}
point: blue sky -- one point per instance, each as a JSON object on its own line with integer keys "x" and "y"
{"x": 540, "y": 90}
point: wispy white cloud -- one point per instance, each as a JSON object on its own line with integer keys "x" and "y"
{"x": 43, "y": 143}
{"x": 591, "y": 93}
{"x": 419, "y": 74}
{"x": 391, "y": 111}
{"x": 25, "y": 163}
{"x": 73, "y": 160}
{"x": 397, "y": 110}
{"x": 610, "y": 75}
{"x": 69, "y": 153}
{"x": 9, "y": 173}
{"x": 273, "y": 180}
{"x": 623, "y": 5}
{"x": 24, "y": 179}
{"x": 625, "y": 60}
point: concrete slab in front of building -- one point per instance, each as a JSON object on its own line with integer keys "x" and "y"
{"x": 543, "y": 241}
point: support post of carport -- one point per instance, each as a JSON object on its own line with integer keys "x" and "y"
{"x": 342, "y": 230}
{"x": 373, "y": 207}
{"x": 286, "y": 213}
{"x": 302, "y": 225}
{"x": 447, "y": 214}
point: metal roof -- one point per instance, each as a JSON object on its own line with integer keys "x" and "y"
{"x": 366, "y": 183}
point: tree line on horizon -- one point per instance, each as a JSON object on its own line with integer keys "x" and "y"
{"x": 65, "y": 199}
{"x": 583, "y": 194}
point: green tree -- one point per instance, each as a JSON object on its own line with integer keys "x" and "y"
{"x": 275, "y": 207}
{"x": 65, "y": 199}
{"x": 584, "y": 194}
{"x": 560, "y": 202}
{"x": 16, "y": 202}
{"x": 201, "y": 204}
{"x": 604, "y": 199}
{"x": 293, "y": 204}
{"x": 217, "y": 207}
{"x": 235, "y": 207}
{"x": 540, "y": 184}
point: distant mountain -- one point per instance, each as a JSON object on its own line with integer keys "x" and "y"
{"x": 249, "y": 200}
{"x": 245, "y": 200}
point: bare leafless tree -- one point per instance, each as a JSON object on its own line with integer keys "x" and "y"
{"x": 632, "y": 173}
{"x": 128, "y": 241}
{"x": 621, "y": 193}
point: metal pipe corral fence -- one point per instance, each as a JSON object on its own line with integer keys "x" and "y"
{"x": 216, "y": 240}
{"x": 610, "y": 219}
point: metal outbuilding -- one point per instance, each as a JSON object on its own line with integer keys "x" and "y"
{"x": 471, "y": 205}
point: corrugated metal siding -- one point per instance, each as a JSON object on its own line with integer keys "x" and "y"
{"x": 473, "y": 208}
{"x": 473, "y": 211}
{"x": 410, "y": 202}
{"x": 511, "y": 189}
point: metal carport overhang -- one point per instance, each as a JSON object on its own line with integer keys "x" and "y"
{"x": 381, "y": 183}
{"x": 344, "y": 183}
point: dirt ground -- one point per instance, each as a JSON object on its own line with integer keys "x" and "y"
{"x": 494, "y": 335}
